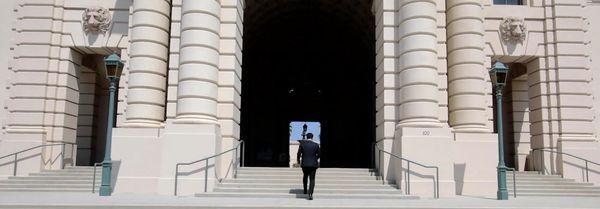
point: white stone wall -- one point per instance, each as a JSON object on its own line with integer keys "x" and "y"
{"x": 593, "y": 42}
{"x": 230, "y": 68}
{"x": 47, "y": 44}
{"x": 7, "y": 19}
{"x": 386, "y": 27}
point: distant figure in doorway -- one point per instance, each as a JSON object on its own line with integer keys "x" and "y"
{"x": 308, "y": 156}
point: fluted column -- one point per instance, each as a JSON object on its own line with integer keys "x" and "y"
{"x": 417, "y": 73}
{"x": 466, "y": 69}
{"x": 197, "y": 89}
{"x": 148, "y": 54}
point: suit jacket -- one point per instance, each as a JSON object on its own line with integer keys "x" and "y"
{"x": 309, "y": 151}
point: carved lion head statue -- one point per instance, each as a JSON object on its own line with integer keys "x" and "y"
{"x": 513, "y": 29}
{"x": 96, "y": 19}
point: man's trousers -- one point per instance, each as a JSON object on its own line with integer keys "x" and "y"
{"x": 309, "y": 172}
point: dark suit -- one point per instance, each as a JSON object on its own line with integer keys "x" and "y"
{"x": 308, "y": 156}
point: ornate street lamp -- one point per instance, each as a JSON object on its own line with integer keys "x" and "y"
{"x": 499, "y": 76}
{"x": 114, "y": 67}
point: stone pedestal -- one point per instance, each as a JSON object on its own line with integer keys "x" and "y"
{"x": 573, "y": 168}
{"x": 475, "y": 160}
{"x": 148, "y": 156}
{"x": 427, "y": 146}
{"x": 28, "y": 162}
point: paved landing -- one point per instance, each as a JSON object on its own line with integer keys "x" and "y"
{"x": 79, "y": 200}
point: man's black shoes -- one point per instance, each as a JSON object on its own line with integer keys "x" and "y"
{"x": 310, "y": 197}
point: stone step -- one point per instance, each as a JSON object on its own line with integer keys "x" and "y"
{"x": 556, "y": 195}
{"x": 534, "y": 177}
{"x": 531, "y": 183}
{"x": 84, "y": 168}
{"x": 89, "y": 178}
{"x": 65, "y": 174}
{"x": 73, "y": 171}
{"x": 299, "y": 172}
{"x": 299, "y": 185}
{"x": 532, "y": 173}
{"x": 541, "y": 180}
{"x": 318, "y": 177}
{"x": 366, "y": 170}
{"x": 45, "y": 190}
{"x": 299, "y": 180}
{"x": 299, "y": 190}
{"x": 74, "y": 186}
{"x": 29, "y": 181}
{"x": 558, "y": 191}
{"x": 553, "y": 187}
{"x": 538, "y": 179}
{"x": 319, "y": 196}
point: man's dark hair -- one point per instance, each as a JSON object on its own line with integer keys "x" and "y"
{"x": 309, "y": 135}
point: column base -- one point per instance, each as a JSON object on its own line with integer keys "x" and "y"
{"x": 419, "y": 123}
{"x": 143, "y": 124}
{"x": 195, "y": 120}
{"x": 471, "y": 129}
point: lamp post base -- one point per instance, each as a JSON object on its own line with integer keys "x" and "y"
{"x": 502, "y": 193}
{"x": 105, "y": 189}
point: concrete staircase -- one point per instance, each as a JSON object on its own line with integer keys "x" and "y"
{"x": 331, "y": 183}
{"x": 70, "y": 179}
{"x": 530, "y": 183}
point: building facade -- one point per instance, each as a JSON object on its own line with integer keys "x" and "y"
{"x": 425, "y": 86}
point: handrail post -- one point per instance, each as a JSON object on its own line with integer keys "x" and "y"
{"x": 405, "y": 180}
{"x": 514, "y": 183}
{"x": 73, "y": 150}
{"x": 380, "y": 170}
{"x": 206, "y": 177}
{"x": 533, "y": 159}
{"x": 15, "y": 165}
{"x": 373, "y": 155}
{"x": 176, "y": 174}
{"x": 62, "y": 156}
{"x": 542, "y": 163}
{"x": 94, "y": 180}
{"x": 587, "y": 174}
{"x": 243, "y": 153}
{"x": 437, "y": 174}
{"x": 235, "y": 164}
{"x": 408, "y": 176}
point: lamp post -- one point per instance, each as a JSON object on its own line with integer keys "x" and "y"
{"x": 114, "y": 67}
{"x": 499, "y": 76}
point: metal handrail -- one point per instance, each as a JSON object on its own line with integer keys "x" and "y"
{"x": 94, "y": 179}
{"x": 62, "y": 153}
{"x": 514, "y": 172}
{"x": 587, "y": 175}
{"x": 236, "y": 164}
{"x": 436, "y": 181}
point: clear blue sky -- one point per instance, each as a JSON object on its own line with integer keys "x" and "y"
{"x": 313, "y": 127}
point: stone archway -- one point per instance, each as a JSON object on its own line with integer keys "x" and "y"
{"x": 311, "y": 61}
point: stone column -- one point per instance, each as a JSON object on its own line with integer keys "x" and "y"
{"x": 466, "y": 69}
{"x": 149, "y": 51}
{"x": 417, "y": 73}
{"x": 197, "y": 89}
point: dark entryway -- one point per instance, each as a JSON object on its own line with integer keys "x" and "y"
{"x": 309, "y": 60}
